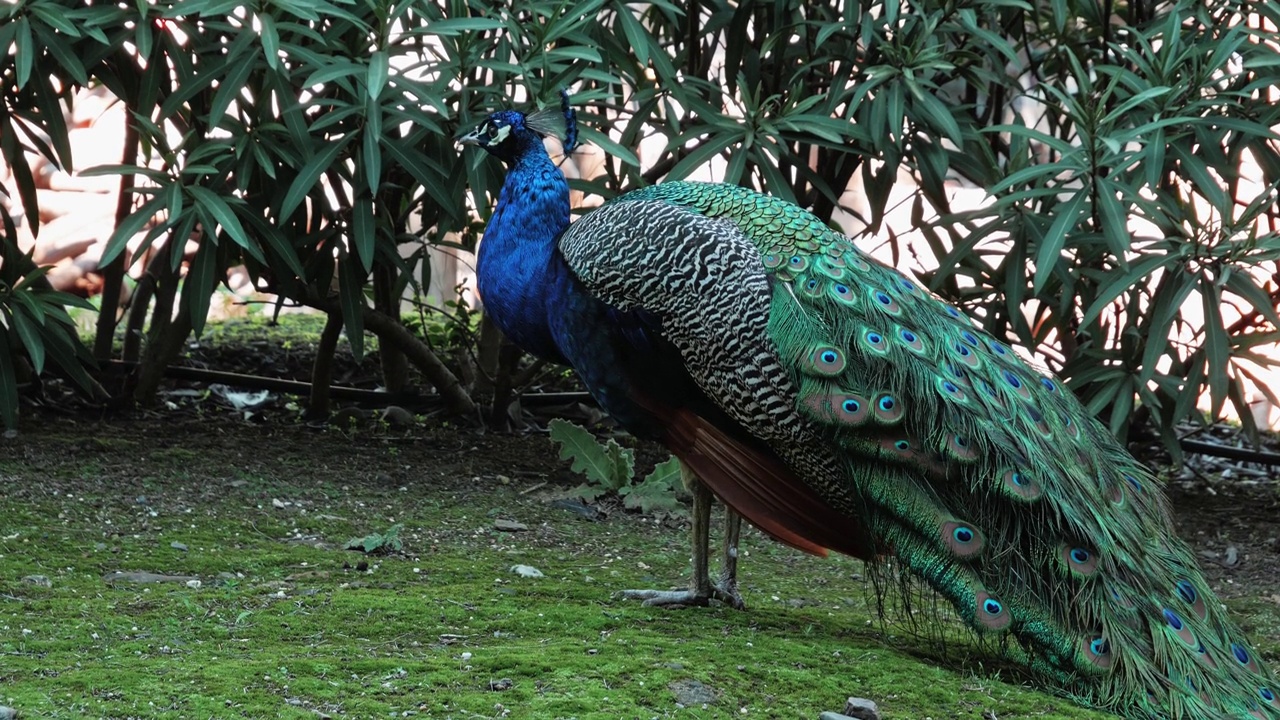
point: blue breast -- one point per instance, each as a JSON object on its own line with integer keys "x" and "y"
{"x": 535, "y": 299}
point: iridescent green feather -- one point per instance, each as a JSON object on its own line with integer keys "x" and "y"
{"x": 989, "y": 479}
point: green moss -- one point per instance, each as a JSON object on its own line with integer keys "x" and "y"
{"x": 282, "y": 624}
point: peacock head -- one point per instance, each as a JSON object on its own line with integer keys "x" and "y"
{"x": 508, "y": 133}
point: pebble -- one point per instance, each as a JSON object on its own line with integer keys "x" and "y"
{"x": 145, "y": 577}
{"x": 396, "y": 416}
{"x": 861, "y": 709}
{"x": 41, "y": 580}
{"x": 528, "y": 571}
{"x": 8, "y": 713}
{"x": 692, "y": 693}
{"x": 509, "y": 526}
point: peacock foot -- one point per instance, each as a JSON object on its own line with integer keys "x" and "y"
{"x": 725, "y": 592}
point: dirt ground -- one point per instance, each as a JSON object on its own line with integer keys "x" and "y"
{"x": 273, "y": 500}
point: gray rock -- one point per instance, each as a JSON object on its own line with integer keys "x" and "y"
{"x": 8, "y": 713}
{"x": 41, "y": 580}
{"x": 528, "y": 571}
{"x": 509, "y": 526}
{"x": 692, "y": 693}
{"x": 861, "y": 709}
{"x": 396, "y": 416}
{"x": 145, "y": 577}
{"x": 178, "y": 546}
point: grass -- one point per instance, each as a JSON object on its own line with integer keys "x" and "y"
{"x": 284, "y": 624}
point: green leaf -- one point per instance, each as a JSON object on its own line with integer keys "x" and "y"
{"x": 371, "y": 155}
{"x": 24, "y": 51}
{"x": 1217, "y": 345}
{"x": 1127, "y": 106}
{"x": 62, "y": 51}
{"x": 29, "y": 337}
{"x": 129, "y": 227}
{"x": 658, "y": 492}
{"x": 310, "y": 174}
{"x": 1115, "y": 221}
{"x": 1198, "y": 172}
{"x": 270, "y": 40}
{"x": 1050, "y": 250}
{"x": 376, "y": 79}
{"x": 336, "y": 71}
{"x": 710, "y": 147}
{"x": 1242, "y": 284}
{"x": 351, "y": 300}
{"x": 938, "y": 116}
{"x": 364, "y": 232}
{"x": 230, "y": 86}
{"x": 64, "y": 348}
{"x": 459, "y": 26}
{"x": 1118, "y": 283}
{"x": 226, "y": 218}
{"x": 609, "y": 465}
{"x": 637, "y": 38}
{"x": 426, "y": 171}
{"x": 198, "y": 287}
{"x": 604, "y": 142}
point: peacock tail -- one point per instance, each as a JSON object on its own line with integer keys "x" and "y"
{"x": 839, "y": 405}
{"x": 984, "y": 477}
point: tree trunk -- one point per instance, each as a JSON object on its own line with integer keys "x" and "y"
{"x": 322, "y": 370}
{"x": 166, "y": 333}
{"x": 157, "y": 268}
{"x": 113, "y": 274}
{"x": 395, "y": 367}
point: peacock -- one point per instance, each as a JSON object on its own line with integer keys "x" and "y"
{"x": 836, "y": 404}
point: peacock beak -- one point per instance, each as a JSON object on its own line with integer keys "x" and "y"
{"x": 475, "y": 137}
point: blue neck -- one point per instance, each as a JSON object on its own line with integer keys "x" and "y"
{"x": 518, "y": 252}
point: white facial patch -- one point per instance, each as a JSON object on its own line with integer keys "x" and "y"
{"x": 499, "y": 134}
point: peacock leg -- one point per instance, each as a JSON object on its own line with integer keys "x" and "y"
{"x": 701, "y": 589}
{"x": 728, "y": 585}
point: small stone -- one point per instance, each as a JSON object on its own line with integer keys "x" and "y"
{"x": 396, "y": 416}
{"x": 692, "y": 693}
{"x": 500, "y": 685}
{"x": 861, "y": 709}
{"x": 9, "y": 435}
{"x": 8, "y": 713}
{"x": 41, "y": 580}
{"x": 141, "y": 499}
{"x": 528, "y": 571}
{"x": 178, "y": 546}
{"x": 145, "y": 577}
{"x": 509, "y": 526}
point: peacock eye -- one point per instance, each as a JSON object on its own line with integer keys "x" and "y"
{"x": 492, "y": 132}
